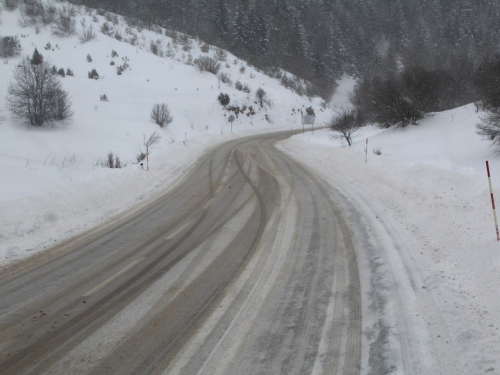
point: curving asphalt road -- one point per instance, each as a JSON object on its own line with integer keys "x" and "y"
{"x": 245, "y": 267}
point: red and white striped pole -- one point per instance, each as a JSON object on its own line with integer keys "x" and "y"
{"x": 493, "y": 200}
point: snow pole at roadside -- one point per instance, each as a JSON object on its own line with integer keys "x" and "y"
{"x": 493, "y": 200}
{"x": 366, "y": 155}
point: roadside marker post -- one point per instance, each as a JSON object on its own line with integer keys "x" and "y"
{"x": 492, "y": 200}
{"x": 366, "y": 157}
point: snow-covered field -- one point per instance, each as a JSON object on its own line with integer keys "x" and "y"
{"x": 430, "y": 186}
{"x": 51, "y": 187}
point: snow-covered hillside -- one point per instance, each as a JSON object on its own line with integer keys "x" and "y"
{"x": 51, "y": 183}
{"x": 430, "y": 188}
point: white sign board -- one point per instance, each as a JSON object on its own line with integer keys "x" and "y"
{"x": 309, "y": 120}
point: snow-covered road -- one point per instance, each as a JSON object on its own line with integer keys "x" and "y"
{"x": 431, "y": 234}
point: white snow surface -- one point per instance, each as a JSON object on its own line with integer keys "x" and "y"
{"x": 51, "y": 188}
{"x": 430, "y": 186}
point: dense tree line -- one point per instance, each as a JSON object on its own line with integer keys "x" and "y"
{"x": 321, "y": 39}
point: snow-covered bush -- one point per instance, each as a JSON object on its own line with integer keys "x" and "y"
{"x": 161, "y": 115}
{"x": 208, "y": 64}
{"x": 93, "y": 74}
{"x": 106, "y": 29}
{"x": 220, "y": 54}
{"x": 225, "y": 78}
{"x": 64, "y": 23}
{"x": 223, "y": 99}
{"x": 9, "y": 46}
{"x": 111, "y": 161}
{"x": 35, "y": 12}
{"x": 87, "y": 34}
{"x": 10, "y": 4}
{"x": 89, "y": 58}
{"x": 205, "y": 48}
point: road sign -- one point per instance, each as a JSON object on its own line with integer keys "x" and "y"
{"x": 231, "y": 119}
{"x": 309, "y": 120}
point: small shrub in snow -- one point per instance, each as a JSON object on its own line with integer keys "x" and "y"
{"x": 10, "y": 4}
{"x": 106, "y": 29}
{"x": 35, "y": 13}
{"x": 64, "y": 24}
{"x": 239, "y": 86}
{"x": 112, "y": 63}
{"x": 220, "y": 54}
{"x": 161, "y": 115}
{"x": 111, "y": 161}
{"x": 87, "y": 34}
{"x": 242, "y": 70}
{"x": 53, "y": 70}
{"x": 184, "y": 40}
{"x": 61, "y": 73}
{"x": 223, "y": 99}
{"x": 104, "y": 98}
{"x": 69, "y": 72}
{"x": 170, "y": 52}
{"x": 140, "y": 156}
{"x": 205, "y": 63}
{"x": 9, "y": 46}
{"x": 93, "y": 74}
{"x": 377, "y": 151}
{"x": 154, "y": 48}
{"x": 225, "y": 78}
{"x": 48, "y": 46}
{"x": 205, "y": 48}
{"x": 89, "y": 58}
{"x": 121, "y": 68}
{"x": 114, "y": 54}
{"x": 118, "y": 36}
{"x": 246, "y": 89}
{"x": 262, "y": 96}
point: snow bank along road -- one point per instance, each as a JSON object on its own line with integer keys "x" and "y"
{"x": 249, "y": 265}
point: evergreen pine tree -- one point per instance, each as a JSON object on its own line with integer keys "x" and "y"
{"x": 37, "y": 58}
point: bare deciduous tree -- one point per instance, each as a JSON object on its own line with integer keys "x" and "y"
{"x": 161, "y": 115}
{"x": 36, "y": 94}
{"x": 152, "y": 140}
{"x": 343, "y": 124}
{"x": 489, "y": 129}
